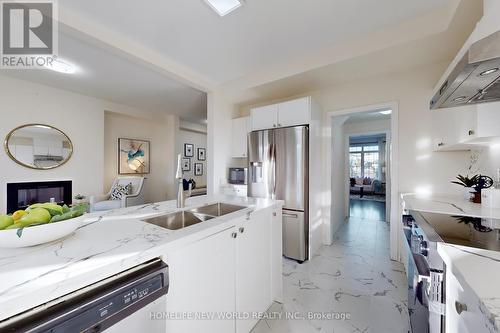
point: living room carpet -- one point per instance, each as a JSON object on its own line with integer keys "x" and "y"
{"x": 369, "y": 197}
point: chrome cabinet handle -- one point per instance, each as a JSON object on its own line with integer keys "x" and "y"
{"x": 241, "y": 230}
{"x": 275, "y": 214}
{"x": 460, "y": 307}
{"x": 471, "y": 132}
{"x": 234, "y": 235}
{"x": 440, "y": 144}
{"x": 294, "y": 216}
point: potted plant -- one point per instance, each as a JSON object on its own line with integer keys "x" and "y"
{"x": 79, "y": 199}
{"x": 473, "y": 186}
{"x": 482, "y": 183}
{"x": 468, "y": 184}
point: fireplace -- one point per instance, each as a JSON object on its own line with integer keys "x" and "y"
{"x": 21, "y": 195}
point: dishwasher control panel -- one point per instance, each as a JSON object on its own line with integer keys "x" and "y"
{"x": 97, "y": 307}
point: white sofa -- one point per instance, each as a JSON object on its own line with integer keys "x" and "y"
{"x": 103, "y": 202}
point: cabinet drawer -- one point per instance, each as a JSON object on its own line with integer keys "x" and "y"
{"x": 464, "y": 312}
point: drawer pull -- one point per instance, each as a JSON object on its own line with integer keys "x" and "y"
{"x": 242, "y": 230}
{"x": 234, "y": 235}
{"x": 460, "y": 307}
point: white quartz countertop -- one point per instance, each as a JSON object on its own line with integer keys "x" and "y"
{"x": 448, "y": 204}
{"x": 475, "y": 269}
{"x": 479, "y": 271}
{"x": 104, "y": 245}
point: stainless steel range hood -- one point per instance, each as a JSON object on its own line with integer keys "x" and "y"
{"x": 475, "y": 79}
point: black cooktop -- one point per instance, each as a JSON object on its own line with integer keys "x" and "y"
{"x": 465, "y": 230}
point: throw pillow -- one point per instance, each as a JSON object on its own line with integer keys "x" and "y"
{"x": 119, "y": 190}
{"x": 367, "y": 181}
{"x": 359, "y": 181}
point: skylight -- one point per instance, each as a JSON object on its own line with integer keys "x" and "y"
{"x": 224, "y": 7}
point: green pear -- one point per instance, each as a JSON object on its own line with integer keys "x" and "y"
{"x": 36, "y": 215}
{"x": 5, "y": 221}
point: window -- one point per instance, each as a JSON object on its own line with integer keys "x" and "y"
{"x": 364, "y": 161}
{"x": 355, "y": 165}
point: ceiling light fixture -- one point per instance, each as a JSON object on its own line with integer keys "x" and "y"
{"x": 61, "y": 66}
{"x": 489, "y": 71}
{"x": 224, "y": 7}
{"x": 460, "y": 99}
{"x": 386, "y": 112}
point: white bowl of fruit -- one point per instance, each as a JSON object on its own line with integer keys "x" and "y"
{"x": 38, "y": 224}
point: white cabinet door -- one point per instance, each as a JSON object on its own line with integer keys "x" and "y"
{"x": 264, "y": 117}
{"x": 277, "y": 255}
{"x": 202, "y": 282}
{"x": 293, "y": 113}
{"x": 253, "y": 268}
{"x": 239, "y": 137}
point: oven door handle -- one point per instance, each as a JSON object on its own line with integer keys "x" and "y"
{"x": 424, "y": 273}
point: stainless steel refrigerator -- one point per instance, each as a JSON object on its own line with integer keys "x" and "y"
{"x": 278, "y": 169}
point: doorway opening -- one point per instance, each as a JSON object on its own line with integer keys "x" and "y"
{"x": 367, "y": 173}
{"x": 361, "y": 169}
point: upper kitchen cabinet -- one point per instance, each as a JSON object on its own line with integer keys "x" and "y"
{"x": 466, "y": 127}
{"x": 240, "y": 129}
{"x": 264, "y": 117}
{"x": 290, "y": 113}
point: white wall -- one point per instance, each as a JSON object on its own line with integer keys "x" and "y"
{"x": 419, "y": 166}
{"x": 196, "y": 135}
{"x": 220, "y": 111}
{"x": 338, "y": 210}
{"x": 160, "y": 184}
{"x": 369, "y": 126}
{"x": 80, "y": 117}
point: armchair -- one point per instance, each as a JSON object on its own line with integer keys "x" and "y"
{"x": 104, "y": 202}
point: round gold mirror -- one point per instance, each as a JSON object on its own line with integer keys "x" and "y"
{"x": 38, "y": 146}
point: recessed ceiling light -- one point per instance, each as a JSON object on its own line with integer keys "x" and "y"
{"x": 61, "y": 66}
{"x": 488, "y": 72}
{"x": 224, "y": 7}
{"x": 386, "y": 112}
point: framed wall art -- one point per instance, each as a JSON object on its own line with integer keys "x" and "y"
{"x": 186, "y": 164}
{"x": 198, "y": 169}
{"x": 133, "y": 156}
{"x": 188, "y": 150}
{"x": 202, "y": 154}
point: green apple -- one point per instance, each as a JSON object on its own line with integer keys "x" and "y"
{"x": 5, "y": 221}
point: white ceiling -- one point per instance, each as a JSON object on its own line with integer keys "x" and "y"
{"x": 110, "y": 76}
{"x": 259, "y": 34}
{"x": 365, "y": 117}
{"x": 439, "y": 47}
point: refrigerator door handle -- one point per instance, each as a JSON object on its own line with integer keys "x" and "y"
{"x": 293, "y": 216}
{"x": 272, "y": 155}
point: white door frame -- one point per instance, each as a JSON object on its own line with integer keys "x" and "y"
{"x": 388, "y": 138}
{"x": 393, "y": 164}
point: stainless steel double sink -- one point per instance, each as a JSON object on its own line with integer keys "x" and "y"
{"x": 183, "y": 219}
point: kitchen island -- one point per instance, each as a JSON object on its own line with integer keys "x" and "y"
{"x": 472, "y": 291}
{"x": 115, "y": 241}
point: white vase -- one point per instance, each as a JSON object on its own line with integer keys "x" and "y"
{"x": 469, "y": 193}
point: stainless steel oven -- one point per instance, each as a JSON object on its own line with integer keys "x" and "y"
{"x": 426, "y": 272}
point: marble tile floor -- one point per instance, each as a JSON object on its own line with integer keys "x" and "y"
{"x": 350, "y": 286}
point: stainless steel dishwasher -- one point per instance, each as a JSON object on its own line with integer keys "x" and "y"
{"x": 131, "y": 301}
